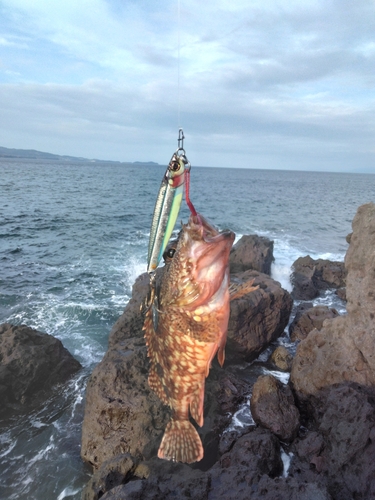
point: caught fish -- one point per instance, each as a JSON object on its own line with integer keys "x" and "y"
{"x": 185, "y": 326}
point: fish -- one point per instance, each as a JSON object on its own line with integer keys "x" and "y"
{"x": 185, "y": 326}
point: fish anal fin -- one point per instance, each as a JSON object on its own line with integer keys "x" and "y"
{"x": 181, "y": 443}
{"x": 238, "y": 290}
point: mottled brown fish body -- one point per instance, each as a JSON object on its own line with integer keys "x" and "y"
{"x": 192, "y": 310}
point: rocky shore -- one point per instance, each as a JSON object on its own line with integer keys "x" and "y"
{"x": 313, "y": 432}
{"x": 323, "y": 420}
{"x": 32, "y": 365}
{"x": 314, "y": 437}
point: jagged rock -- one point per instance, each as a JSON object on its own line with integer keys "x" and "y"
{"x": 340, "y": 449}
{"x": 281, "y": 359}
{"x": 344, "y": 349}
{"x": 256, "y": 319}
{"x": 161, "y": 480}
{"x": 31, "y": 364}
{"x": 310, "y": 276}
{"x": 112, "y": 473}
{"x": 312, "y": 318}
{"x": 289, "y": 488}
{"x": 272, "y": 406}
{"x": 252, "y": 252}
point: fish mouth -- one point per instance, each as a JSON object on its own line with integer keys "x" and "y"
{"x": 210, "y": 249}
{"x": 207, "y": 232}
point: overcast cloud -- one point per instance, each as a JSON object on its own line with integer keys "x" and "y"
{"x": 262, "y": 84}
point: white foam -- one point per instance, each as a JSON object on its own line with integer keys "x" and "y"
{"x": 286, "y": 459}
{"x": 282, "y": 376}
{"x": 9, "y": 449}
{"x": 67, "y": 492}
{"x": 241, "y": 418}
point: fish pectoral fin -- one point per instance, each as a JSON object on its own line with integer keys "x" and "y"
{"x": 181, "y": 443}
{"x": 221, "y": 355}
{"x": 237, "y": 290}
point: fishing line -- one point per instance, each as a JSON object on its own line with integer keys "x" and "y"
{"x": 178, "y": 63}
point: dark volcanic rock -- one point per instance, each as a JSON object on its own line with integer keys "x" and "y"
{"x": 159, "y": 479}
{"x": 289, "y": 489}
{"x": 272, "y": 406}
{"x": 344, "y": 349}
{"x": 340, "y": 451}
{"x": 235, "y": 476}
{"x": 252, "y": 252}
{"x": 312, "y": 318}
{"x": 281, "y": 359}
{"x": 256, "y": 319}
{"x": 31, "y": 364}
{"x": 309, "y": 276}
{"x": 112, "y": 473}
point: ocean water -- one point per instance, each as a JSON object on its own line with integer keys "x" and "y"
{"x": 73, "y": 238}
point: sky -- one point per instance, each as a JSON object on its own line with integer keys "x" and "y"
{"x": 287, "y": 84}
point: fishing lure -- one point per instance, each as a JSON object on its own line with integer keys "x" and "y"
{"x": 168, "y": 204}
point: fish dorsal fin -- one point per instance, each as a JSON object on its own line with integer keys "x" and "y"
{"x": 238, "y": 290}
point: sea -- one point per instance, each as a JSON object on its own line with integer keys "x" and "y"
{"x": 73, "y": 239}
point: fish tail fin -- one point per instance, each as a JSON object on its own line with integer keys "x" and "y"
{"x": 181, "y": 443}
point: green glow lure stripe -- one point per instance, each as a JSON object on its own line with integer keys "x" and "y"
{"x": 166, "y": 211}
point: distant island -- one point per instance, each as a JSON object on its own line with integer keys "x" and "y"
{"x": 33, "y": 154}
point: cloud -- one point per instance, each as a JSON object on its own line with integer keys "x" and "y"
{"x": 260, "y": 83}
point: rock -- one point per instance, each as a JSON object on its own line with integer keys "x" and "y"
{"x": 252, "y": 252}
{"x": 237, "y": 473}
{"x": 256, "y": 319}
{"x": 123, "y": 415}
{"x": 281, "y": 359}
{"x": 31, "y": 364}
{"x": 344, "y": 349}
{"x": 310, "y": 276}
{"x": 289, "y": 488}
{"x": 340, "y": 450}
{"x": 341, "y": 293}
{"x": 306, "y": 321}
{"x": 272, "y": 406}
{"x": 112, "y": 473}
{"x": 164, "y": 480}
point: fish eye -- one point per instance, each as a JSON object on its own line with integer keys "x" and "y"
{"x": 169, "y": 253}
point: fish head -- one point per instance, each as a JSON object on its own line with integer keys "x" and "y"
{"x": 200, "y": 261}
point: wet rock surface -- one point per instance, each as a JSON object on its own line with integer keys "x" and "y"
{"x": 281, "y": 359}
{"x": 310, "y": 276}
{"x": 344, "y": 349}
{"x": 252, "y": 252}
{"x": 32, "y": 363}
{"x": 256, "y": 319}
{"x": 309, "y": 319}
{"x": 272, "y": 406}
